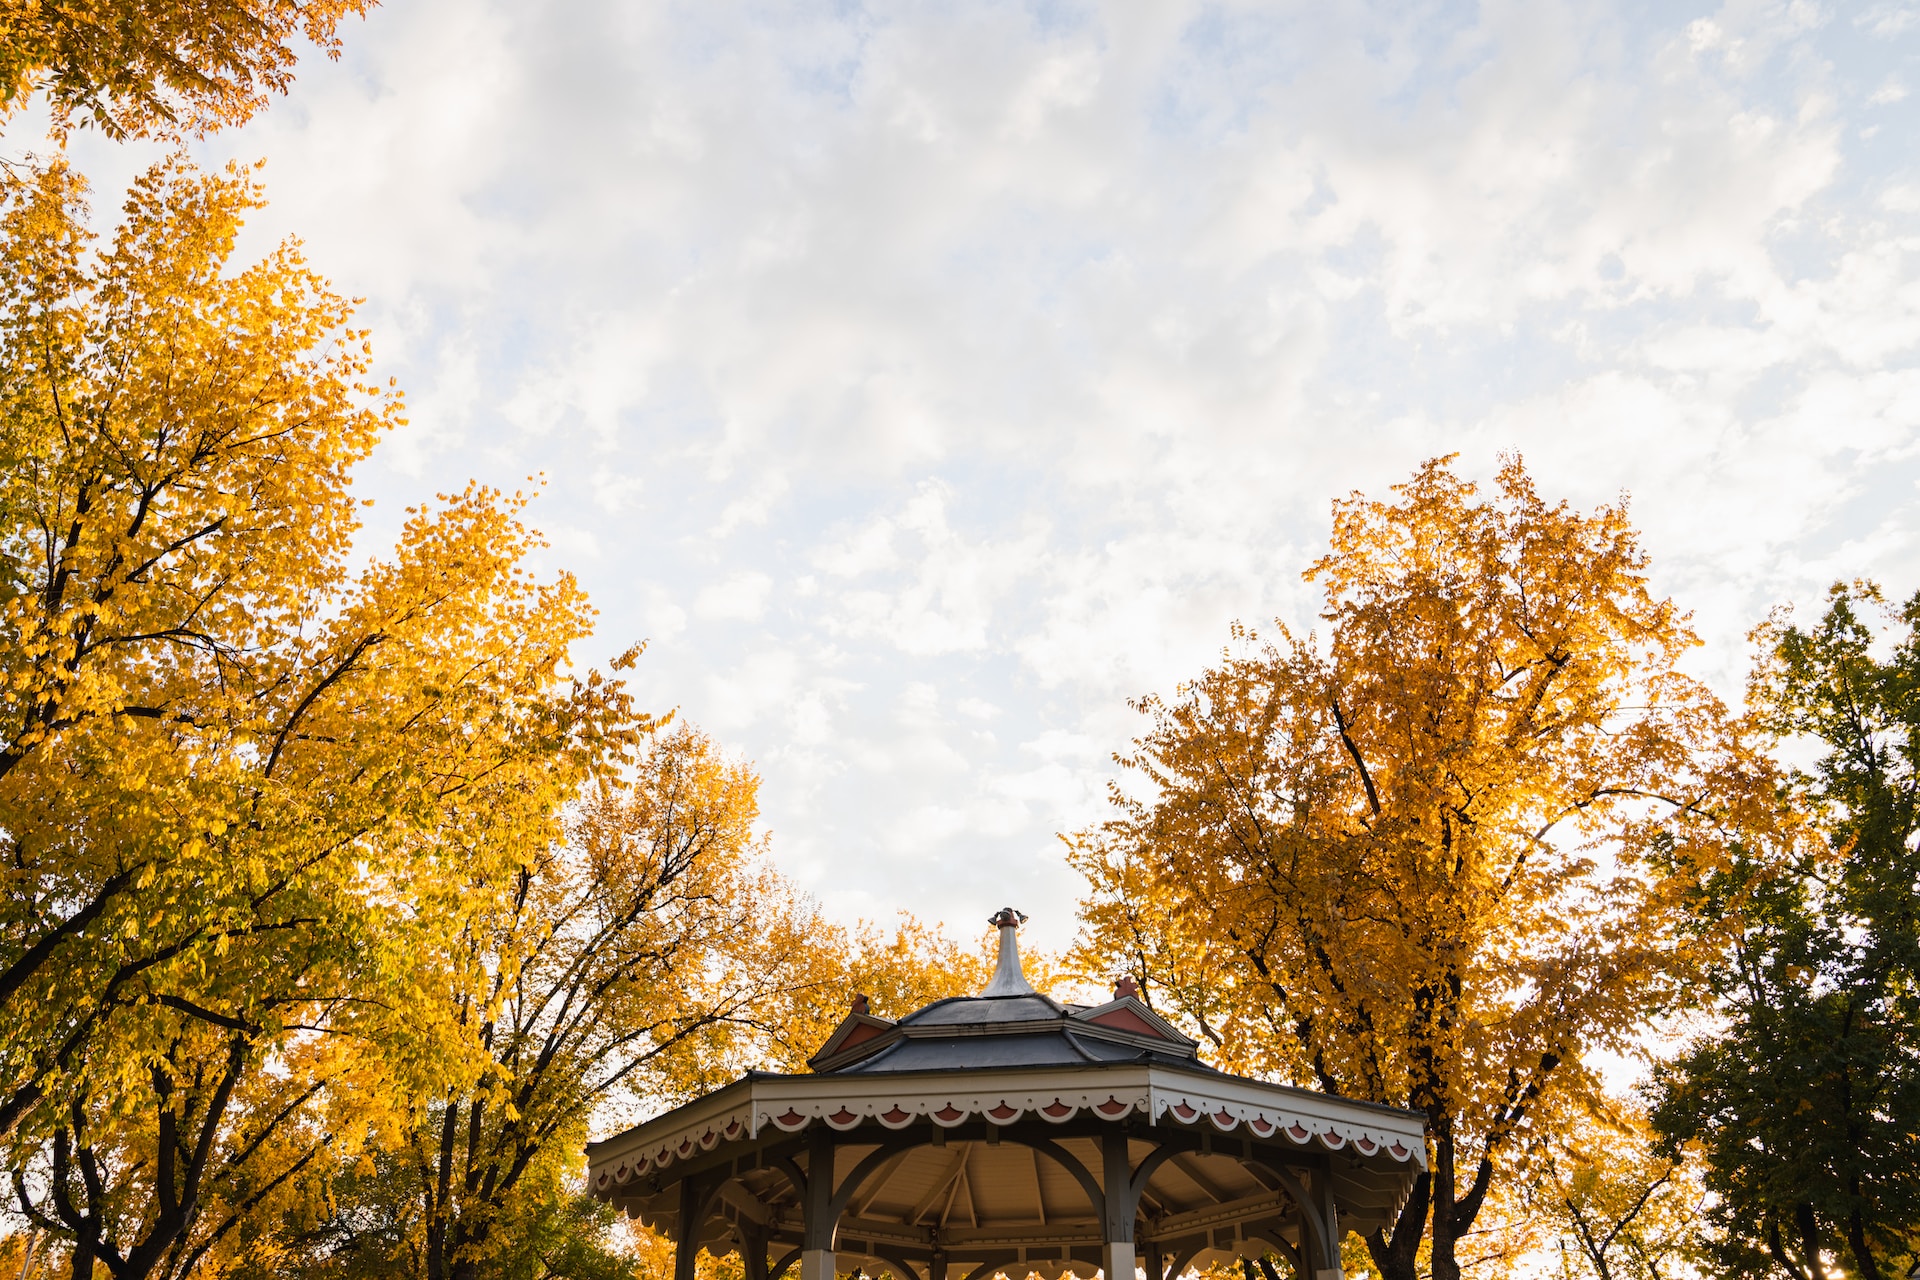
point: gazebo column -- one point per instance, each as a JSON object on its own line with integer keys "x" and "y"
{"x": 1315, "y": 1211}
{"x": 1320, "y": 1238}
{"x": 1121, "y": 1203}
{"x": 820, "y": 1227}
{"x": 753, "y": 1251}
{"x": 686, "y": 1245}
{"x": 1333, "y": 1268}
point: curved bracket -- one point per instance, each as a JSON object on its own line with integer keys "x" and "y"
{"x": 706, "y": 1199}
{"x": 1320, "y": 1247}
{"x": 862, "y": 1171}
{"x": 787, "y": 1169}
{"x": 894, "y": 1258}
{"x": 1047, "y": 1147}
{"x": 1151, "y": 1165}
{"x": 991, "y": 1265}
{"x": 780, "y": 1269}
{"x": 1285, "y": 1250}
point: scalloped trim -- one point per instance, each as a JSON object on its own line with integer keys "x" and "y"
{"x": 897, "y": 1111}
{"x": 1191, "y": 1107}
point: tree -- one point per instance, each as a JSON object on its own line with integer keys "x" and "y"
{"x": 134, "y": 66}
{"x": 235, "y": 774}
{"x": 1621, "y": 1209}
{"x": 618, "y": 964}
{"x": 1434, "y": 861}
{"x": 1804, "y": 1100}
{"x": 649, "y": 957}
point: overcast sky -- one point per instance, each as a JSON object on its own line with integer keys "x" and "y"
{"x": 922, "y": 381}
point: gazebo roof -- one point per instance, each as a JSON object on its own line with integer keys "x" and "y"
{"x": 935, "y": 1127}
{"x": 963, "y": 1033}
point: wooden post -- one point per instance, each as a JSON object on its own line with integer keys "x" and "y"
{"x": 816, "y": 1250}
{"x": 1329, "y": 1267}
{"x": 753, "y": 1251}
{"x": 1116, "y": 1222}
{"x": 1319, "y": 1231}
{"x": 686, "y": 1245}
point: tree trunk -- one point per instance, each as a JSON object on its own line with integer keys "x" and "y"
{"x": 1398, "y": 1256}
{"x": 1863, "y": 1262}
{"x": 1446, "y": 1225}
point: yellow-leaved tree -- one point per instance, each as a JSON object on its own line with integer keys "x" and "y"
{"x": 626, "y": 961}
{"x": 1618, "y": 1208}
{"x": 1436, "y": 858}
{"x": 134, "y": 66}
{"x": 649, "y": 956}
{"x": 240, "y": 778}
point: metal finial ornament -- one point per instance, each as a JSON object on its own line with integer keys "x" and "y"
{"x": 1008, "y": 980}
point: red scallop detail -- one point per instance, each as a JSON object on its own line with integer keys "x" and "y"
{"x": 842, "y": 1117}
{"x": 1298, "y": 1133}
{"x": 1184, "y": 1111}
{"x": 1003, "y": 1112}
{"x": 1366, "y": 1145}
{"x": 896, "y": 1116}
{"x": 1056, "y": 1109}
{"x": 686, "y": 1145}
{"x": 663, "y": 1155}
{"x": 948, "y": 1114}
{"x": 733, "y": 1127}
{"x": 1260, "y": 1125}
{"x": 791, "y": 1118}
{"x": 1223, "y": 1119}
{"x": 1399, "y": 1151}
{"x": 1111, "y": 1107}
{"x": 1332, "y": 1139}
{"x": 620, "y": 1171}
{"x": 603, "y": 1179}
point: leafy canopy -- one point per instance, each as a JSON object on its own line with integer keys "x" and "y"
{"x": 1427, "y": 862}
{"x": 132, "y": 67}
{"x": 1804, "y": 1102}
{"x": 241, "y": 779}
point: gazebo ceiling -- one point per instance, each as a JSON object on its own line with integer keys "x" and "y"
{"x": 1009, "y": 1132}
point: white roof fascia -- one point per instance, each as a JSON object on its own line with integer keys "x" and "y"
{"x": 1299, "y": 1115}
{"x": 789, "y": 1104}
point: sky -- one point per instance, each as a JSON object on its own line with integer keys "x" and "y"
{"x": 923, "y": 381}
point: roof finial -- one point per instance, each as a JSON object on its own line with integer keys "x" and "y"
{"x": 1008, "y": 980}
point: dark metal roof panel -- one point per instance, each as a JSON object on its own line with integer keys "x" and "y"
{"x": 1048, "y": 1048}
{"x": 957, "y": 1010}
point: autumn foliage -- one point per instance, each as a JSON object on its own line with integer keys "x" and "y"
{"x": 337, "y": 908}
{"x": 137, "y": 66}
{"x": 230, "y": 762}
{"x": 323, "y": 878}
{"x": 1437, "y": 857}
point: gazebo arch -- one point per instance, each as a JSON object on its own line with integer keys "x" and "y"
{"x": 1006, "y": 1132}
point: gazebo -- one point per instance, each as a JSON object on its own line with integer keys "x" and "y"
{"x": 1006, "y": 1132}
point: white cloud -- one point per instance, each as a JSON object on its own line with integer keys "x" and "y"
{"x": 1025, "y": 350}
{"x": 1887, "y": 21}
{"x": 741, "y": 597}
